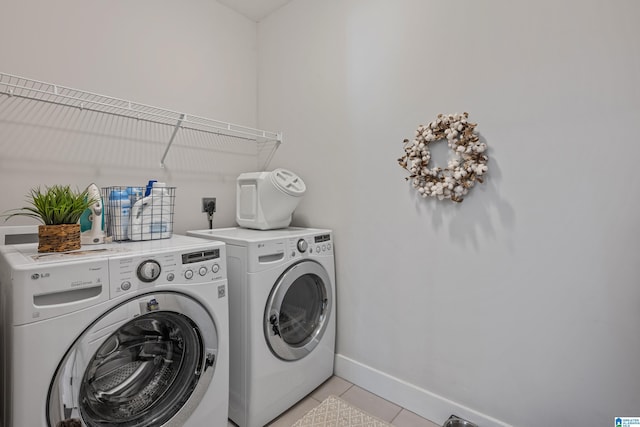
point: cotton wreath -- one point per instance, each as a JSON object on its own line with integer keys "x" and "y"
{"x": 468, "y": 165}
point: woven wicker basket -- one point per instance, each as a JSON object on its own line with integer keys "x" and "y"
{"x": 58, "y": 238}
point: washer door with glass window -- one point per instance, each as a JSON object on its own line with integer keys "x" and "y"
{"x": 137, "y": 365}
{"x": 298, "y": 310}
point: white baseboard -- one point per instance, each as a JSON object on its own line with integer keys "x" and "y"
{"x": 417, "y": 400}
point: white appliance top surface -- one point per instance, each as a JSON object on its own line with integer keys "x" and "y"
{"x": 240, "y": 236}
{"x": 27, "y": 254}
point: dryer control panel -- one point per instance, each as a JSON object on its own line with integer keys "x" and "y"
{"x": 269, "y": 253}
{"x": 320, "y": 244}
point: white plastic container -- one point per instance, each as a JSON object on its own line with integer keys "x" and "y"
{"x": 152, "y": 216}
{"x": 266, "y": 200}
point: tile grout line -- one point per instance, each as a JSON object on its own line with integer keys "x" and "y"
{"x": 396, "y": 415}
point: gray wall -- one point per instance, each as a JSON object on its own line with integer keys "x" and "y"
{"x": 520, "y": 305}
{"x": 196, "y": 57}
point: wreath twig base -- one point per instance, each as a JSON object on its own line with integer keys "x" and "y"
{"x": 468, "y": 165}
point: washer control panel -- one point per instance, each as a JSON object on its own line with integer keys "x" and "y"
{"x": 128, "y": 274}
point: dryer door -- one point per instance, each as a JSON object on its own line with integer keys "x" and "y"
{"x": 147, "y": 362}
{"x": 298, "y": 310}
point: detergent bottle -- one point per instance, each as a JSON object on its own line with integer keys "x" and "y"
{"x": 152, "y": 216}
{"x": 119, "y": 210}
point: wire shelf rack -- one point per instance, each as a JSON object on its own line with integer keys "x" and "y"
{"x": 22, "y": 87}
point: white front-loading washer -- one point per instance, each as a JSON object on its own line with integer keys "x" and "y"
{"x": 282, "y": 317}
{"x": 122, "y": 334}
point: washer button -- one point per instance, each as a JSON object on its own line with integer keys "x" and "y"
{"x": 215, "y": 268}
{"x": 318, "y": 249}
{"x": 170, "y": 277}
{"x": 188, "y": 274}
{"x": 202, "y": 271}
{"x": 329, "y": 246}
{"x": 125, "y": 286}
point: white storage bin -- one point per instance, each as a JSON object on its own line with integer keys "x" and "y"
{"x": 266, "y": 200}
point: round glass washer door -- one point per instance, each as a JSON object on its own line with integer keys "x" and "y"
{"x": 298, "y": 310}
{"x": 137, "y": 365}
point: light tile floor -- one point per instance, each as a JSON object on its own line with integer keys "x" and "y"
{"x": 368, "y": 402}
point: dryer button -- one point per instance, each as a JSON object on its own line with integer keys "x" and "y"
{"x": 215, "y": 268}
{"x": 125, "y": 286}
{"x": 188, "y": 274}
{"x": 202, "y": 271}
{"x": 170, "y": 277}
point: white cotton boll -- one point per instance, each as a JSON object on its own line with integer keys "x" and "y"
{"x": 425, "y": 159}
{"x": 460, "y": 149}
{"x": 457, "y": 175}
{"x": 421, "y": 145}
{"x": 468, "y": 149}
{"x": 458, "y": 189}
{"x": 440, "y": 197}
{"x": 460, "y": 127}
{"x": 421, "y": 190}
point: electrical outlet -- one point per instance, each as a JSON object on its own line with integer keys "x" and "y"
{"x": 205, "y": 203}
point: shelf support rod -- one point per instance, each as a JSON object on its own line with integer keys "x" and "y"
{"x": 173, "y": 136}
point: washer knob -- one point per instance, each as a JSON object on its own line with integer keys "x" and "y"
{"x": 149, "y": 270}
{"x": 302, "y": 245}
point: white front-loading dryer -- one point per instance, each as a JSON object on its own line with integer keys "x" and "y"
{"x": 128, "y": 334}
{"x": 282, "y": 317}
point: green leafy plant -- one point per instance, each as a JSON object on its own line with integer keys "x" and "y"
{"x": 57, "y": 204}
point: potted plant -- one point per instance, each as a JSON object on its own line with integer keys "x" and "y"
{"x": 58, "y": 208}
